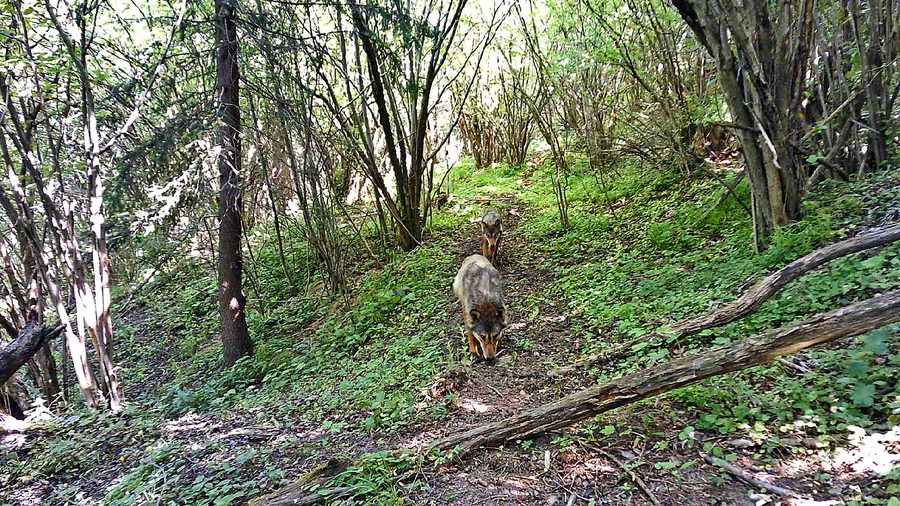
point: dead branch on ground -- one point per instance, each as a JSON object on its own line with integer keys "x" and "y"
{"x": 751, "y": 301}
{"x": 848, "y": 321}
{"x": 30, "y": 340}
{"x": 749, "y": 478}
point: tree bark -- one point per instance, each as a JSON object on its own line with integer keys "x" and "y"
{"x": 848, "y": 321}
{"x": 232, "y": 302}
{"x": 410, "y": 230}
{"x": 753, "y": 299}
{"x": 761, "y": 57}
{"x": 29, "y": 341}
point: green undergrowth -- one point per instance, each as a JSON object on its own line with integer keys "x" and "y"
{"x": 640, "y": 254}
{"x": 317, "y": 360}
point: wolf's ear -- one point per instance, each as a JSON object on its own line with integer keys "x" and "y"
{"x": 501, "y": 314}
{"x": 475, "y": 314}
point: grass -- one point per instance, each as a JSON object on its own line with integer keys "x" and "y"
{"x": 638, "y": 255}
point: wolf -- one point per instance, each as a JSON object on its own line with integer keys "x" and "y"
{"x": 480, "y": 291}
{"x": 491, "y": 230}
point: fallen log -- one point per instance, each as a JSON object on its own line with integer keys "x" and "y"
{"x": 848, "y": 321}
{"x": 30, "y": 340}
{"x": 748, "y": 303}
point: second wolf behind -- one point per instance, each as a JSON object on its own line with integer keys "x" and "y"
{"x": 480, "y": 291}
{"x": 491, "y": 230}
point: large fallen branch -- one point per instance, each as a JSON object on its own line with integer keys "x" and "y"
{"x": 848, "y": 321}
{"x": 30, "y": 340}
{"x": 751, "y": 301}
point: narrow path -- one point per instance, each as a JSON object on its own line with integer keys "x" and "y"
{"x": 540, "y": 333}
{"x": 554, "y": 469}
{"x": 540, "y": 337}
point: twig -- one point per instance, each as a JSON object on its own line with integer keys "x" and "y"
{"x": 749, "y": 478}
{"x": 485, "y": 198}
{"x": 797, "y": 367}
{"x": 631, "y": 474}
{"x": 494, "y": 389}
{"x": 729, "y": 190}
{"x": 738, "y": 126}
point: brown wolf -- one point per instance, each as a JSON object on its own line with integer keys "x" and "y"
{"x": 480, "y": 293}
{"x": 491, "y": 230}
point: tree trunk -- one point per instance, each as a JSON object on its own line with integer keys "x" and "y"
{"x": 762, "y": 77}
{"x": 102, "y": 297}
{"x": 848, "y": 321}
{"x": 232, "y": 302}
{"x": 30, "y": 340}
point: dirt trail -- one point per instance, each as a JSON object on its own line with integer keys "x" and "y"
{"x": 542, "y": 335}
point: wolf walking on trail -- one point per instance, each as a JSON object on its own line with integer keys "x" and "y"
{"x": 480, "y": 291}
{"x": 491, "y": 230}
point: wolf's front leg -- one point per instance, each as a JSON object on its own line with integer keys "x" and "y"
{"x": 473, "y": 344}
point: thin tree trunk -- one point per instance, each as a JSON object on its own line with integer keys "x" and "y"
{"x": 232, "y": 302}
{"x": 34, "y": 312}
{"x": 102, "y": 297}
{"x": 264, "y": 161}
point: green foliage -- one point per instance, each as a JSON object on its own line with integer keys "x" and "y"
{"x": 656, "y": 261}
{"x": 638, "y": 255}
{"x": 374, "y": 478}
{"x": 206, "y": 474}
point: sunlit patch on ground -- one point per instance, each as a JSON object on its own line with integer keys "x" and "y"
{"x": 810, "y": 502}
{"x": 797, "y": 467}
{"x": 875, "y": 453}
{"x": 474, "y": 406}
{"x": 418, "y": 441}
{"x": 190, "y": 423}
{"x": 598, "y": 466}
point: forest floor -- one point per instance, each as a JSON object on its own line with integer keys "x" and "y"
{"x": 558, "y": 468}
{"x": 399, "y": 377}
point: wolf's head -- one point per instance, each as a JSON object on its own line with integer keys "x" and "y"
{"x": 486, "y": 318}
{"x": 491, "y": 228}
